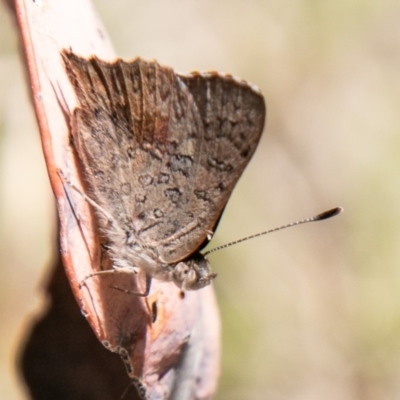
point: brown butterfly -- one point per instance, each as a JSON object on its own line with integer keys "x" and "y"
{"x": 161, "y": 154}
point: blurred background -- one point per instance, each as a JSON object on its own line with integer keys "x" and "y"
{"x": 308, "y": 313}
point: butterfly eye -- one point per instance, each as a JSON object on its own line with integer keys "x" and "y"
{"x": 184, "y": 276}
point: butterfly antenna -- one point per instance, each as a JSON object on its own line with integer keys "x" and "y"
{"x": 325, "y": 215}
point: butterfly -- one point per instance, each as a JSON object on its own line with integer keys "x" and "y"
{"x": 161, "y": 154}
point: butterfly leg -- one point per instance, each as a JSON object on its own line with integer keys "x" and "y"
{"x": 127, "y": 291}
{"x": 85, "y": 197}
{"x": 110, "y": 219}
{"x": 117, "y": 270}
{"x": 120, "y": 270}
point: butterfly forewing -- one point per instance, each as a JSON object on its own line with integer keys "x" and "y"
{"x": 161, "y": 152}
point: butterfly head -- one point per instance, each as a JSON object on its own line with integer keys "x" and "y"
{"x": 193, "y": 273}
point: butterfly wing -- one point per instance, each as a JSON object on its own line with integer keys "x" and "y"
{"x": 233, "y": 116}
{"x": 161, "y": 152}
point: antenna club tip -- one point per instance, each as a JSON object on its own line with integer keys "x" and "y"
{"x": 330, "y": 213}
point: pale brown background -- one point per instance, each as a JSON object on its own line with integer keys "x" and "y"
{"x": 310, "y": 313}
